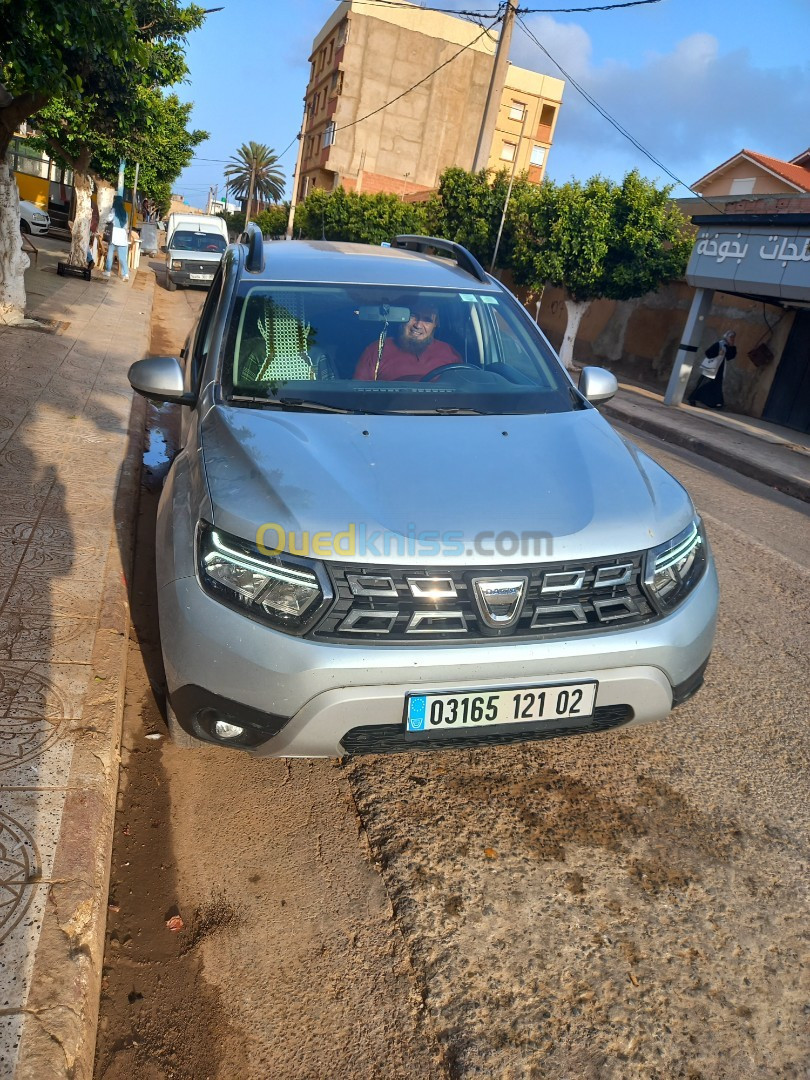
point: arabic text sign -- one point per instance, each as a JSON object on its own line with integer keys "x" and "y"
{"x": 762, "y": 260}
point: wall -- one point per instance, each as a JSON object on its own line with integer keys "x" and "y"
{"x": 638, "y": 339}
{"x": 432, "y": 127}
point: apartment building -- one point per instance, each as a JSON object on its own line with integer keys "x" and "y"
{"x": 370, "y": 127}
{"x": 530, "y": 103}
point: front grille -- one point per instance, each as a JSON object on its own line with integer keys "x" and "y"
{"x": 389, "y": 605}
{"x": 190, "y": 267}
{"x": 392, "y": 738}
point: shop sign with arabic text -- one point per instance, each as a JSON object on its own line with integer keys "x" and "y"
{"x": 764, "y": 260}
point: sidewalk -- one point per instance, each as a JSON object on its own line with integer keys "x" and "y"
{"x": 70, "y": 453}
{"x": 69, "y": 471}
{"x": 777, "y": 456}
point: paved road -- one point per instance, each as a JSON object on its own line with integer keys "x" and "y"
{"x": 628, "y": 905}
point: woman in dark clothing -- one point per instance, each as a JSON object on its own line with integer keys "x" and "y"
{"x": 709, "y": 388}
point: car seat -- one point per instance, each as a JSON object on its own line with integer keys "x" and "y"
{"x": 283, "y": 350}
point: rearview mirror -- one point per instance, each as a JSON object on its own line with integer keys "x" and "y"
{"x": 383, "y": 313}
{"x": 160, "y": 378}
{"x": 597, "y": 384}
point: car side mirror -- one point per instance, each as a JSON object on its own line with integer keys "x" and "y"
{"x": 160, "y": 378}
{"x": 597, "y": 384}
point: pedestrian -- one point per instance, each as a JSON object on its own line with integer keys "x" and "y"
{"x": 119, "y": 239}
{"x": 709, "y": 388}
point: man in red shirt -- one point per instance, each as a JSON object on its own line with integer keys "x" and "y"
{"x": 414, "y": 353}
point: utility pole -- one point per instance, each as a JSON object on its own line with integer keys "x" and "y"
{"x": 493, "y": 103}
{"x": 288, "y": 235}
{"x": 509, "y": 190}
{"x": 250, "y": 193}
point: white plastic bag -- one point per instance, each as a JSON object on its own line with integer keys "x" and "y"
{"x": 711, "y": 364}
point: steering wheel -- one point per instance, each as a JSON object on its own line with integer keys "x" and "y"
{"x": 431, "y": 375}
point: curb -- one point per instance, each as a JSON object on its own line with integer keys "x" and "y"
{"x": 59, "y": 1034}
{"x": 795, "y": 486}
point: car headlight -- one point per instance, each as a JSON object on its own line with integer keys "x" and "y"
{"x": 177, "y": 264}
{"x": 41, "y": 219}
{"x": 674, "y": 568}
{"x": 281, "y": 590}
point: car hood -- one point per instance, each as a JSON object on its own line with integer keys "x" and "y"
{"x": 432, "y": 489}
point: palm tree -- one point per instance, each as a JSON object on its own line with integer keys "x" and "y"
{"x": 253, "y": 169}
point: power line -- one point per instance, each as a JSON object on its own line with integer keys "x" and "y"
{"x": 519, "y": 11}
{"x": 611, "y": 120}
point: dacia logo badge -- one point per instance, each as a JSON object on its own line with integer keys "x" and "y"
{"x": 500, "y": 600}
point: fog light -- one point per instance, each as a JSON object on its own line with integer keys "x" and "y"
{"x": 224, "y": 730}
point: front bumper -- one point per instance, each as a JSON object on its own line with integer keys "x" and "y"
{"x": 187, "y": 277}
{"x": 308, "y": 699}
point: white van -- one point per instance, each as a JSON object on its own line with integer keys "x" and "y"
{"x": 195, "y": 244}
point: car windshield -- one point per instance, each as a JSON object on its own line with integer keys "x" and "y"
{"x": 376, "y": 349}
{"x": 186, "y": 240}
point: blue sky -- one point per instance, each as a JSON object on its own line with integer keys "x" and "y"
{"x": 693, "y": 81}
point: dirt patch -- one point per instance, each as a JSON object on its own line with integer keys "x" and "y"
{"x": 159, "y": 1018}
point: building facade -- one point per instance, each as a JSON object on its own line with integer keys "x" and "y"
{"x": 530, "y": 104}
{"x": 370, "y": 127}
{"x": 753, "y": 243}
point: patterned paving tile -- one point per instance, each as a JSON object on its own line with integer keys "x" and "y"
{"x": 58, "y": 639}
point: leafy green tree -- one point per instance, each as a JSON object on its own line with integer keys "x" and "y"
{"x": 597, "y": 240}
{"x": 49, "y": 47}
{"x": 469, "y": 208}
{"x": 273, "y": 220}
{"x": 119, "y": 116}
{"x": 254, "y": 170}
{"x": 357, "y": 217}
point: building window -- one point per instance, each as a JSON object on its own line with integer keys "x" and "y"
{"x": 329, "y": 134}
{"x": 337, "y": 82}
{"x": 517, "y": 110}
{"x": 29, "y": 161}
{"x": 547, "y": 115}
{"x": 508, "y": 151}
{"x": 343, "y": 33}
{"x": 538, "y": 155}
{"x": 743, "y": 186}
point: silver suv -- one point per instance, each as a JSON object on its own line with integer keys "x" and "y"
{"x": 397, "y": 524}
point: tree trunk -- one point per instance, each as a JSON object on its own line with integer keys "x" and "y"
{"x": 250, "y": 199}
{"x": 105, "y": 193}
{"x": 576, "y": 309}
{"x": 80, "y": 235}
{"x": 13, "y": 260}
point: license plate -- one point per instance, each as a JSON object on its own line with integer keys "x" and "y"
{"x": 201, "y": 277}
{"x": 482, "y": 708}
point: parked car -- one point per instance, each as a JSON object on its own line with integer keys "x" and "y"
{"x": 194, "y": 246}
{"x": 351, "y": 562}
{"x": 33, "y": 219}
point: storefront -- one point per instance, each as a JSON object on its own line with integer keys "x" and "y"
{"x": 762, "y": 257}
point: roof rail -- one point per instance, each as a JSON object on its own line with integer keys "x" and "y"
{"x": 255, "y": 245}
{"x": 466, "y": 260}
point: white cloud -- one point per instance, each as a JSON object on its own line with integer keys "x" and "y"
{"x": 692, "y": 107}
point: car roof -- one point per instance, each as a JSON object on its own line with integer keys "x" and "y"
{"x": 363, "y": 264}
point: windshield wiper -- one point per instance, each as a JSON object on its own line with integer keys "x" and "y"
{"x": 289, "y": 403}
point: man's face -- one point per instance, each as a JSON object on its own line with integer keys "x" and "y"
{"x": 418, "y": 331}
